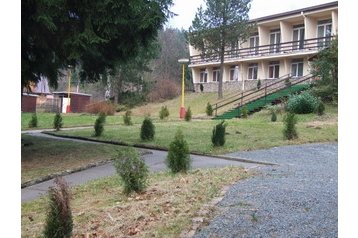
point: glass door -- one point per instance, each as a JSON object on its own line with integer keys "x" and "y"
{"x": 298, "y": 38}
{"x": 275, "y": 39}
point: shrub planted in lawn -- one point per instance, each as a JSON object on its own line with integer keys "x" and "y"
{"x": 258, "y": 86}
{"x": 99, "y": 124}
{"x": 178, "y": 159}
{"x": 303, "y": 103}
{"x": 132, "y": 170}
{"x": 127, "y": 119}
{"x": 147, "y": 131}
{"x": 59, "y": 221}
{"x": 273, "y": 116}
{"x": 320, "y": 108}
{"x": 218, "y": 136}
{"x": 33, "y": 121}
{"x": 188, "y": 115}
{"x": 201, "y": 87}
{"x": 289, "y": 131}
{"x": 164, "y": 112}
{"x": 245, "y": 112}
{"x": 209, "y": 110}
{"x": 57, "y": 122}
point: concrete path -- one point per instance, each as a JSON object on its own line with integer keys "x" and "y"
{"x": 155, "y": 160}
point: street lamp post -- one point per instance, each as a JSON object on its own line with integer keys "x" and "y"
{"x": 182, "y": 107}
{"x": 68, "y": 107}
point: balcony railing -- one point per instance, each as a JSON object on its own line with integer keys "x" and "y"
{"x": 308, "y": 45}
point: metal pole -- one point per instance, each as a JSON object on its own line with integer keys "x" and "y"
{"x": 182, "y": 87}
{"x": 68, "y": 107}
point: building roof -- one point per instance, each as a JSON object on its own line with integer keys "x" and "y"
{"x": 297, "y": 11}
{"x": 63, "y": 93}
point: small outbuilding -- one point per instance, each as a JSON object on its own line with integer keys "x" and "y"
{"x": 77, "y": 102}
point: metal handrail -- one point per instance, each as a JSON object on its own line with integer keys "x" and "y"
{"x": 265, "y": 50}
{"x": 265, "y": 91}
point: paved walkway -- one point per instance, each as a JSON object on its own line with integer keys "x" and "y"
{"x": 155, "y": 160}
{"x": 298, "y": 198}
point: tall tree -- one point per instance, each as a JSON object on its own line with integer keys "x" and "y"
{"x": 222, "y": 24}
{"x": 95, "y": 34}
{"x": 325, "y": 66}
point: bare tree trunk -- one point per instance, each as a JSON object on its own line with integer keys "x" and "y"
{"x": 220, "y": 88}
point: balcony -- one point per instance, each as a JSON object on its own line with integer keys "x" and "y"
{"x": 293, "y": 47}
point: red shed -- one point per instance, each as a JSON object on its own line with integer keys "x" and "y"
{"x": 78, "y": 101}
{"x": 28, "y": 102}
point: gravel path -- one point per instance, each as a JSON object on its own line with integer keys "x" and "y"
{"x": 298, "y": 198}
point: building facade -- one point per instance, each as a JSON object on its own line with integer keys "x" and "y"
{"x": 280, "y": 45}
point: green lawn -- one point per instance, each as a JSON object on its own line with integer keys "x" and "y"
{"x": 256, "y": 132}
{"x": 44, "y": 156}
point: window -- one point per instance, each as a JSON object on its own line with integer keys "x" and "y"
{"x": 324, "y": 31}
{"x": 234, "y": 73}
{"x": 297, "y": 68}
{"x": 298, "y": 37}
{"x": 274, "y": 69}
{"x": 254, "y": 44}
{"x": 275, "y": 39}
{"x": 216, "y": 74}
{"x": 203, "y": 76}
{"x": 253, "y": 68}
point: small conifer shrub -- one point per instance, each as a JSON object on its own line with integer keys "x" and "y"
{"x": 209, "y": 109}
{"x": 218, "y": 136}
{"x": 178, "y": 159}
{"x": 188, "y": 115}
{"x": 57, "y": 122}
{"x": 320, "y": 108}
{"x": 33, "y": 121}
{"x": 147, "y": 131}
{"x": 163, "y": 113}
{"x": 127, "y": 118}
{"x": 201, "y": 87}
{"x": 290, "y": 131}
{"x": 132, "y": 170}
{"x": 99, "y": 124}
{"x": 59, "y": 223}
{"x": 245, "y": 112}
{"x": 273, "y": 116}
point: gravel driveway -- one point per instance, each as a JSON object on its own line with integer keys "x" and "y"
{"x": 298, "y": 198}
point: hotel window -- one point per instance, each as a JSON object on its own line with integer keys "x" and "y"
{"x": 234, "y": 73}
{"x": 274, "y": 69}
{"x": 216, "y": 74}
{"x": 253, "y": 68}
{"x": 275, "y": 39}
{"x": 297, "y": 68}
{"x": 298, "y": 37}
{"x": 324, "y": 29}
{"x": 203, "y": 76}
{"x": 254, "y": 44}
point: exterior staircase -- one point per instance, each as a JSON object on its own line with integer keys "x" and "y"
{"x": 255, "y": 100}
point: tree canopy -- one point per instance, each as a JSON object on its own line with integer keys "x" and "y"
{"x": 220, "y": 25}
{"x": 95, "y": 34}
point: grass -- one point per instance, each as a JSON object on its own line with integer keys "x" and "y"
{"x": 165, "y": 209}
{"x": 44, "y": 156}
{"x": 256, "y": 132}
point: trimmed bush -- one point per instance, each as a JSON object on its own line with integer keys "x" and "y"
{"x": 59, "y": 223}
{"x": 273, "y": 116}
{"x": 201, "y": 87}
{"x": 218, "y": 136}
{"x": 57, "y": 122}
{"x": 132, "y": 170}
{"x": 303, "y": 103}
{"x": 209, "y": 110}
{"x": 147, "y": 131}
{"x": 164, "y": 112}
{"x": 178, "y": 159}
{"x": 289, "y": 131}
{"x": 188, "y": 115}
{"x": 99, "y": 124}
{"x": 320, "y": 109}
{"x": 127, "y": 119}
{"x": 33, "y": 121}
{"x": 245, "y": 112}
{"x": 258, "y": 86}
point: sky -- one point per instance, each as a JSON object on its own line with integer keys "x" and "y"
{"x": 186, "y": 9}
